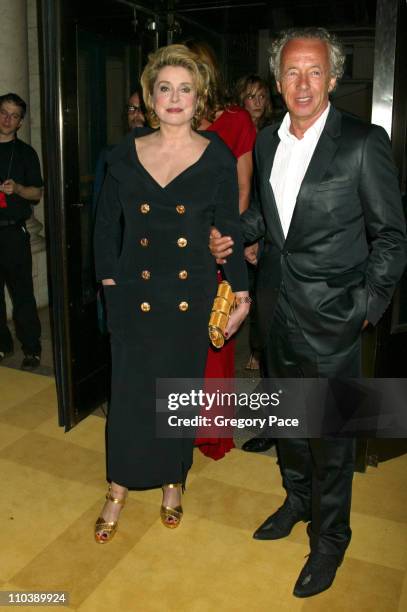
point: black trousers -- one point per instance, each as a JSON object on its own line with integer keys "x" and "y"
{"x": 317, "y": 473}
{"x": 16, "y": 273}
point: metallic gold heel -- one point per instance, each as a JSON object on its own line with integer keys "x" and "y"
{"x": 108, "y": 528}
{"x": 171, "y": 517}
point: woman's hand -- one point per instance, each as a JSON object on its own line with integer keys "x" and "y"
{"x": 108, "y": 281}
{"x": 239, "y": 314}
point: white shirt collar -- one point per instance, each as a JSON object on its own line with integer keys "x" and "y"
{"x": 314, "y": 131}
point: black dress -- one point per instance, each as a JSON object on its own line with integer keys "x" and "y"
{"x": 153, "y": 242}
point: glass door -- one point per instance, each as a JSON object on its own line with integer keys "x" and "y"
{"x": 89, "y": 70}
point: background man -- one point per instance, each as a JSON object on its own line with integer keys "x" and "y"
{"x": 329, "y": 209}
{"x": 20, "y": 187}
{"x": 135, "y": 112}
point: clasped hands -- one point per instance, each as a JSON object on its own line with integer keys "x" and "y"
{"x": 9, "y": 187}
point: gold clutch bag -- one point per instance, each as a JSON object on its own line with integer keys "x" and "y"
{"x": 222, "y": 307}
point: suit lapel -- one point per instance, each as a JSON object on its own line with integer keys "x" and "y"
{"x": 319, "y": 164}
{"x": 267, "y": 188}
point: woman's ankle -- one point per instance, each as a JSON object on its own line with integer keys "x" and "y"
{"x": 117, "y": 491}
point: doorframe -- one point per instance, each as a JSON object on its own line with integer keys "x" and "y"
{"x": 53, "y": 141}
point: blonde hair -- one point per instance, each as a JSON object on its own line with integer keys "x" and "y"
{"x": 176, "y": 55}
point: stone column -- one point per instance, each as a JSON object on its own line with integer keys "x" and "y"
{"x": 14, "y": 54}
{"x": 15, "y": 72}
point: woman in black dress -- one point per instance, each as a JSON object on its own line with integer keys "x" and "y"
{"x": 163, "y": 190}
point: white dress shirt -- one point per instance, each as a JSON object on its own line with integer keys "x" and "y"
{"x": 290, "y": 165}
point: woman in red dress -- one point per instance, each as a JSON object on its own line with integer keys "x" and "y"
{"x": 253, "y": 94}
{"x": 234, "y": 125}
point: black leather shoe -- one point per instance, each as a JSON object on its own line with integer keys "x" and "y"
{"x": 258, "y": 445}
{"x": 280, "y": 524}
{"x": 30, "y": 362}
{"x": 5, "y": 354}
{"x": 317, "y": 575}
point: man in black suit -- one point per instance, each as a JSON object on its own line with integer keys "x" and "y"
{"x": 328, "y": 205}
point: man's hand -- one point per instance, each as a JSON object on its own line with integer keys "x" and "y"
{"x": 108, "y": 281}
{"x": 365, "y": 324}
{"x": 9, "y": 187}
{"x": 27, "y": 192}
{"x": 220, "y": 246}
{"x": 251, "y": 253}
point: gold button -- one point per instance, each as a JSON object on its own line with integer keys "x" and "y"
{"x": 180, "y": 209}
{"x": 145, "y": 208}
{"x": 144, "y": 242}
{"x": 182, "y": 242}
{"x": 145, "y": 275}
{"x": 145, "y": 306}
{"x": 183, "y": 306}
{"x": 183, "y": 274}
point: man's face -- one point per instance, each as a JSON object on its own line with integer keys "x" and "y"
{"x": 10, "y": 119}
{"x": 305, "y": 79}
{"x": 135, "y": 117}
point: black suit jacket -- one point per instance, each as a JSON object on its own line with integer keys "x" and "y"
{"x": 346, "y": 246}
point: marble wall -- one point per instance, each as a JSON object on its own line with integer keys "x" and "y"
{"x": 20, "y": 73}
{"x": 14, "y": 53}
{"x": 37, "y": 244}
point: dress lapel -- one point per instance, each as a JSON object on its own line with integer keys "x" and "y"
{"x": 121, "y": 159}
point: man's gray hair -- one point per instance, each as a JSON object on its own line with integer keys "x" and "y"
{"x": 335, "y": 49}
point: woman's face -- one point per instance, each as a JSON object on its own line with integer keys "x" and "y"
{"x": 254, "y": 101}
{"x": 174, "y": 96}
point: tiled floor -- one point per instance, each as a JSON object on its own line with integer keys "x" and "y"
{"x": 53, "y": 487}
{"x": 52, "y": 491}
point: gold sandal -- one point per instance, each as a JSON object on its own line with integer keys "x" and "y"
{"x": 171, "y": 517}
{"x": 109, "y": 528}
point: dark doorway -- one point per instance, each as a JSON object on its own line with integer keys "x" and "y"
{"x": 89, "y": 71}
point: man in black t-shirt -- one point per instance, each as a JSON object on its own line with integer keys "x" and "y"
{"x": 20, "y": 187}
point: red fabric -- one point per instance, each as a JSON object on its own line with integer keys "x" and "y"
{"x": 3, "y": 201}
{"x": 236, "y": 129}
{"x": 219, "y": 364}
